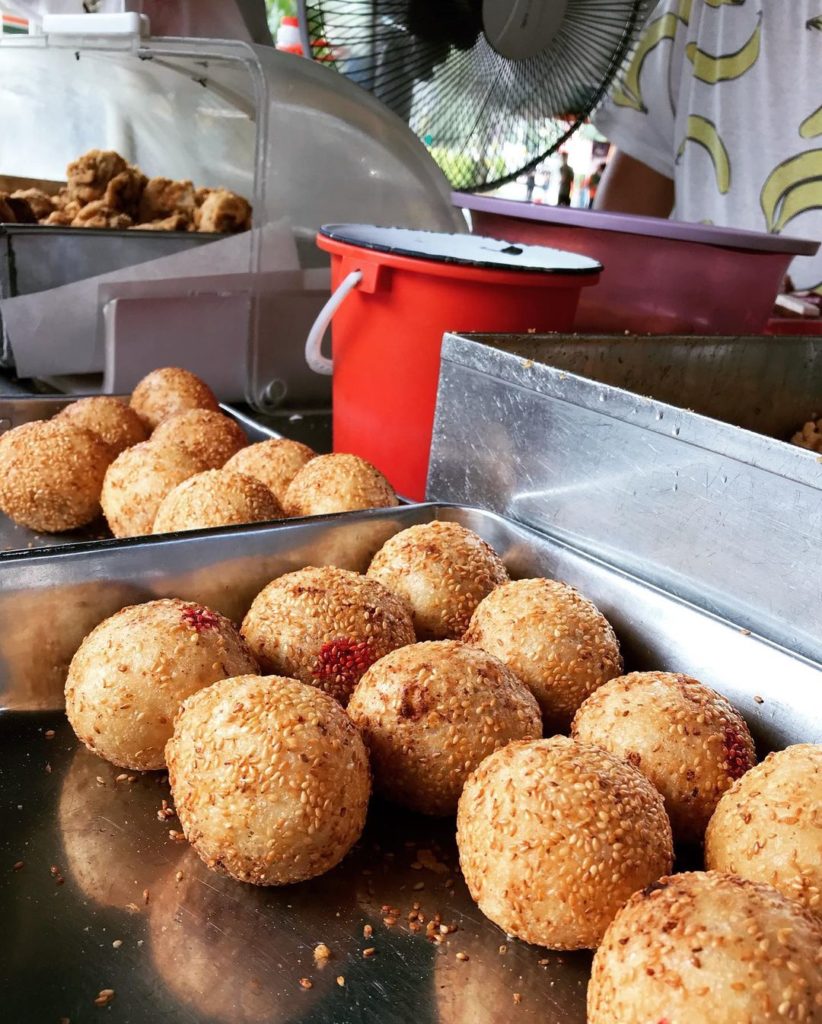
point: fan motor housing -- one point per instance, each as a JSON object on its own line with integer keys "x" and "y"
{"x": 522, "y": 28}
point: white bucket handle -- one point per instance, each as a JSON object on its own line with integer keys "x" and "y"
{"x": 313, "y": 343}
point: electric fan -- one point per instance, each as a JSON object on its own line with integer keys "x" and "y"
{"x": 491, "y": 86}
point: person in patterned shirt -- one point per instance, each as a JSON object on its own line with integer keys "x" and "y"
{"x": 718, "y": 119}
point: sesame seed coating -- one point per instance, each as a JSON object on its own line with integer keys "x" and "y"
{"x": 326, "y": 627}
{"x": 217, "y": 497}
{"x": 443, "y": 570}
{"x": 708, "y": 947}
{"x": 431, "y": 712}
{"x": 768, "y": 825}
{"x": 131, "y": 673}
{"x": 274, "y": 463}
{"x": 209, "y": 435}
{"x": 138, "y": 480}
{"x": 555, "y": 835}
{"x": 51, "y": 475}
{"x": 683, "y": 736}
{"x": 337, "y": 483}
{"x": 117, "y": 424}
{"x": 270, "y": 779}
{"x": 169, "y": 390}
{"x": 553, "y": 638}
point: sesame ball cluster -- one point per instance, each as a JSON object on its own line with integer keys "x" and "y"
{"x": 449, "y": 689}
{"x": 169, "y": 461}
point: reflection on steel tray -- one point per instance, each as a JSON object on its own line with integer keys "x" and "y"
{"x": 132, "y": 910}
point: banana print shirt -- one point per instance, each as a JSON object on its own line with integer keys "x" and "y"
{"x": 725, "y": 97}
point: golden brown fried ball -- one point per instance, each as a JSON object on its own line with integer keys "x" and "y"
{"x": 137, "y": 482}
{"x": 686, "y": 738}
{"x": 708, "y": 948}
{"x": 215, "y": 498}
{"x": 118, "y": 425}
{"x": 270, "y": 779}
{"x": 768, "y": 825}
{"x": 163, "y": 197}
{"x": 51, "y": 475}
{"x": 133, "y": 671}
{"x": 553, "y": 638}
{"x": 431, "y": 712}
{"x": 337, "y": 483}
{"x": 170, "y": 390}
{"x": 224, "y": 212}
{"x": 555, "y": 835}
{"x": 443, "y": 570}
{"x": 274, "y": 463}
{"x": 209, "y": 435}
{"x": 326, "y": 627}
{"x": 89, "y": 175}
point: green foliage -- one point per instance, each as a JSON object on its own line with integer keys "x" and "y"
{"x": 463, "y": 169}
{"x": 277, "y": 9}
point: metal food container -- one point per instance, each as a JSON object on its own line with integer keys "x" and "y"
{"x": 34, "y": 258}
{"x": 216, "y": 113}
{"x": 108, "y": 900}
{"x": 16, "y": 411}
{"x": 664, "y": 456}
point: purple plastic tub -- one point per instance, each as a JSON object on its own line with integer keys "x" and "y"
{"x": 660, "y": 276}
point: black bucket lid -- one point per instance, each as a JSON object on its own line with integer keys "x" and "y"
{"x": 464, "y": 250}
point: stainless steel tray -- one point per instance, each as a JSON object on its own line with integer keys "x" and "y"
{"x": 204, "y": 950}
{"x": 665, "y": 456}
{"x": 34, "y": 257}
{"x": 15, "y": 411}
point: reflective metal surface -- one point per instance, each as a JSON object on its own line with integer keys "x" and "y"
{"x": 105, "y": 899}
{"x": 555, "y": 432}
{"x": 15, "y": 411}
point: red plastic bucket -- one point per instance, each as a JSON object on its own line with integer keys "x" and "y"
{"x": 391, "y": 306}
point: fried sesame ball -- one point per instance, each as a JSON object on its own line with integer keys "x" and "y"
{"x": 51, "y": 475}
{"x": 443, "y": 570}
{"x": 131, "y": 673}
{"x": 768, "y": 825}
{"x": 118, "y": 425}
{"x": 104, "y": 855}
{"x": 553, "y": 638}
{"x": 431, "y": 712}
{"x": 270, "y": 779}
{"x": 138, "y": 480}
{"x": 555, "y": 835}
{"x": 217, "y": 497}
{"x": 209, "y": 435}
{"x": 326, "y": 627}
{"x": 170, "y": 390}
{"x": 708, "y": 947}
{"x": 686, "y": 738}
{"x": 337, "y": 483}
{"x": 274, "y": 463}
